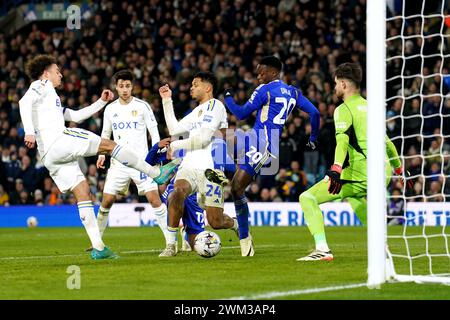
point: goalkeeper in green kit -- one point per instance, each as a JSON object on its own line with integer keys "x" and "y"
{"x": 345, "y": 181}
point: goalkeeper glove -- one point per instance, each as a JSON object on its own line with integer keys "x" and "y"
{"x": 228, "y": 93}
{"x": 312, "y": 144}
{"x": 409, "y": 182}
{"x": 335, "y": 179}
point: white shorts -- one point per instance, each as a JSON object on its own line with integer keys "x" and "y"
{"x": 61, "y": 160}
{"x": 119, "y": 177}
{"x": 209, "y": 194}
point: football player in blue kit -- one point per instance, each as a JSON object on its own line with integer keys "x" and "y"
{"x": 273, "y": 100}
{"x": 193, "y": 217}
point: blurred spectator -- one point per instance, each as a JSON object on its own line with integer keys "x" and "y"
{"x": 4, "y": 197}
{"x": 28, "y": 173}
{"x": 92, "y": 178}
{"x": 12, "y": 170}
{"x": 24, "y": 198}
{"x": 55, "y": 197}
{"x": 253, "y": 192}
{"x": 265, "y": 195}
{"x": 16, "y": 194}
{"x": 435, "y": 193}
{"x": 274, "y": 197}
{"x": 396, "y": 208}
{"x": 38, "y": 197}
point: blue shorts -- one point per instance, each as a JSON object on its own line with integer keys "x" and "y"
{"x": 193, "y": 218}
{"x": 252, "y": 152}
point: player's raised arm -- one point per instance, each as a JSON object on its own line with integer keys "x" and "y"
{"x": 305, "y": 105}
{"x": 174, "y": 126}
{"x": 26, "y": 114}
{"x": 256, "y": 101}
{"x": 85, "y": 113}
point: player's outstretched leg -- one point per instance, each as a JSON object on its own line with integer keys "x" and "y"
{"x": 129, "y": 158}
{"x": 87, "y": 216}
{"x": 309, "y": 202}
{"x": 240, "y": 181}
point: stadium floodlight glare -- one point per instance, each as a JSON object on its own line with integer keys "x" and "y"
{"x": 405, "y": 253}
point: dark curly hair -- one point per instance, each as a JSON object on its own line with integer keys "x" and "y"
{"x": 36, "y": 66}
{"x": 349, "y": 71}
{"x": 123, "y": 75}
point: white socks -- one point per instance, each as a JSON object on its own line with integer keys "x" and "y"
{"x": 129, "y": 158}
{"x": 172, "y": 235}
{"x": 161, "y": 218}
{"x": 102, "y": 219}
{"x": 87, "y": 216}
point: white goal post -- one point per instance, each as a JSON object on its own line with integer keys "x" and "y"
{"x": 383, "y": 260}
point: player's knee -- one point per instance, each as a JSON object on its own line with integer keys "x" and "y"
{"x": 107, "y": 202}
{"x": 179, "y": 194}
{"x": 303, "y": 198}
{"x": 82, "y": 191}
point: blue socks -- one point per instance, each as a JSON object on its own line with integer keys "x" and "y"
{"x": 242, "y": 214}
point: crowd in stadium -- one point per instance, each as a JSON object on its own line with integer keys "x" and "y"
{"x": 168, "y": 41}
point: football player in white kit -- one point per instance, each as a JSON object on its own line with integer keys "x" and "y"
{"x": 128, "y": 119}
{"x": 43, "y": 118}
{"x": 201, "y": 124}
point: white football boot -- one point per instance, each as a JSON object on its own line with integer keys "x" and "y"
{"x": 247, "y": 249}
{"x": 169, "y": 251}
{"x": 318, "y": 255}
{"x": 185, "y": 246}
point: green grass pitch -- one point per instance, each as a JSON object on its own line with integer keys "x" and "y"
{"x": 33, "y": 265}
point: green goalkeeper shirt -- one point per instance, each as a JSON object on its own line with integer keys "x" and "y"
{"x": 350, "y": 121}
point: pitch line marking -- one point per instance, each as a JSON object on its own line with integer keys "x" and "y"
{"x": 121, "y": 252}
{"x": 277, "y": 294}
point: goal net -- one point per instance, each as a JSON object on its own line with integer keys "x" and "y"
{"x": 417, "y": 105}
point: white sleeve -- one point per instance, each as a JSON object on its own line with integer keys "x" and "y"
{"x": 194, "y": 142}
{"x": 151, "y": 124}
{"x": 107, "y": 128}
{"x": 26, "y": 111}
{"x": 175, "y": 128}
{"x": 84, "y": 113}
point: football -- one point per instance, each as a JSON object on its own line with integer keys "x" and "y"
{"x": 207, "y": 244}
{"x": 32, "y": 222}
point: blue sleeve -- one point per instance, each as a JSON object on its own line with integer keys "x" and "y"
{"x": 256, "y": 101}
{"x": 153, "y": 157}
{"x": 305, "y": 105}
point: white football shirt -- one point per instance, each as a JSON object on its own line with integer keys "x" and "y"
{"x": 47, "y": 117}
{"x": 129, "y": 124}
{"x": 211, "y": 114}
